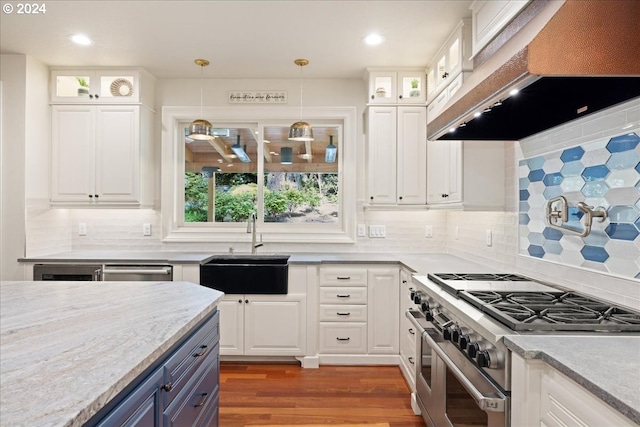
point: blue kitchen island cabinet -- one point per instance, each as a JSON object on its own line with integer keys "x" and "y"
{"x": 181, "y": 389}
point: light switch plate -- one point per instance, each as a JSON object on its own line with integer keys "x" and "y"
{"x": 362, "y": 230}
{"x": 489, "y": 237}
{"x": 82, "y": 229}
{"x": 146, "y": 229}
{"x": 377, "y": 231}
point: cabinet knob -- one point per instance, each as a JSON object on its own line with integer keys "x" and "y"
{"x": 400, "y": 197}
{"x": 373, "y": 97}
{"x": 400, "y": 96}
{"x": 371, "y": 197}
{"x": 90, "y": 96}
{"x": 91, "y": 196}
{"x": 96, "y": 195}
{"x": 167, "y": 387}
{"x": 239, "y": 301}
{"x": 246, "y": 301}
{"x": 445, "y": 75}
{"x": 97, "y": 96}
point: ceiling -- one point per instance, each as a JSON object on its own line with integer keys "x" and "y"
{"x": 242, "y": 39}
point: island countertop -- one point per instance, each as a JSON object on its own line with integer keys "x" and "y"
{"x": 68, "y": 348}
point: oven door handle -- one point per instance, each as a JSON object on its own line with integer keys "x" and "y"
{"x": 486, "y": 403}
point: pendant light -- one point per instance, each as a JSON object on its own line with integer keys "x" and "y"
{"x": 201, "y": 129}
{"x": 301, "y": 131}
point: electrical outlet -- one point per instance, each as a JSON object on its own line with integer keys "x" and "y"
{"x": 82, "y": 229}
{"x": 362, "y": 230}
{"x": 146, "y": 229}
{"x": 489, "y": 238}
{"x": 377, "y": 231}
{"x": 428, "y": 231}
{"x": 456, "y": 233}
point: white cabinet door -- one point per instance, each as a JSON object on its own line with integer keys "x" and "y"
{"x": 444, "y": 172}
{"x": 383, "y": 308}
{"x": 95, "y": 154}
{"x": 231, "y": 309}
{"x": 73, "y": 153}
{"x": 117, "y": 153}
{"x": 275, "y": 325}
{"x": 381, "y": 155}
{"x": 412, "y": 155}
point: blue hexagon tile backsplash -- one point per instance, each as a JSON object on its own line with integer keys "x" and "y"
{"x": 601, "y": 173}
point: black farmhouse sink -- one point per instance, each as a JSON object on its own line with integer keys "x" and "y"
{"x": 247, "y": 274}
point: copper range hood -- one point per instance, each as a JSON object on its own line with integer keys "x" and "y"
{"x": 584, "y": 58}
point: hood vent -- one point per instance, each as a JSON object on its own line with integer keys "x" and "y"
{"x": 583, "y": 60}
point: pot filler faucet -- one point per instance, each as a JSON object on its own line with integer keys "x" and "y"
{"x": 251, "y": 228}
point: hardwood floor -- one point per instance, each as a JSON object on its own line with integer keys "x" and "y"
{"x": 277, "y": 395}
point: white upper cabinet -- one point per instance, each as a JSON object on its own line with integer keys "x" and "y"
{"x": 396, "y": 86}
{"x": 466, "y": 175}
{"x": 453, "y": 58}
{"x": 489, "y": 17}
{"x": 396, "y": 155}
{"x": 92, "y": 86}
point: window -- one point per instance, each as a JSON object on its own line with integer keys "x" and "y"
{"x": 297, "y": 190}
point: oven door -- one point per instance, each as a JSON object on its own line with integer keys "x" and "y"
{"x": 451, "y": 390}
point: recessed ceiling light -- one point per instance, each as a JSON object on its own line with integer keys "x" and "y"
{"x": 81, "y": 39}
{"x": 373, "y": 39}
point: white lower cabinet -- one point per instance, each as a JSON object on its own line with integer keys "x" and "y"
{"x": 358, "y": 313}
{"x": 543, "y": 396}
{"x": 265, "y": 325}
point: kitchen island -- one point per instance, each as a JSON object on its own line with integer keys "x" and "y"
{"x": 69, "y": 348}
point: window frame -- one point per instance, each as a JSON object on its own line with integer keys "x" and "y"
{"x": 173, "y": 168}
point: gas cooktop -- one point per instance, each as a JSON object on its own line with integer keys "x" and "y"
{"x": 524, "y": 304}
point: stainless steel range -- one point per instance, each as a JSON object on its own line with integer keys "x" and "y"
{"x": 463, "y": 374}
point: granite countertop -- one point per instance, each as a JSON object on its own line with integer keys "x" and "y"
{"x": 607, "y": 366}
{"x": 68, "y": 348}
{"x": 418, "y": 262}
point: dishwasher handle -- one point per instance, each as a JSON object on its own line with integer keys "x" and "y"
{"x": 162, "y": 270}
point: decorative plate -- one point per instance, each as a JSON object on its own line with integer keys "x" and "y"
{"x": 121, "y": 87}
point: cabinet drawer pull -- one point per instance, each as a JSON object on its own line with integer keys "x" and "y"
{"x": 203, "y": 350}
{"x": 203, "y": 398}
{"x": 343, "y": 339}
{"x": 344, "y": 277}
{"x": 411, "y": 360}
{"x": 343, "y": 296}
{"x": 411, "y": 331}
{"x": 343, "y": 314}
{"x": 167, "y": 386}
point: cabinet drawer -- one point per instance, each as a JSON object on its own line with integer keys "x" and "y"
{"x": 343, "y": 337}
{"x": 340, "y": 295}
{"x": 343, "y": 276}
{"x": 194, "y": 405}
{"x": 182, "y": 365}
{"x": 343, "y": 313}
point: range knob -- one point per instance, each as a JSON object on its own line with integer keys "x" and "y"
{"x": 455, "y": 334}
{"x": 417, "y": 298}
{"x": 446, "y": 333}
{"x": 483, "y": 359}
{"x": 463, "y": 342}
{"x": 413, "y": 294}
{"x": 473, "y": 349}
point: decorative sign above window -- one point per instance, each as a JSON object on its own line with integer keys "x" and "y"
{"x": 258, "y": 97}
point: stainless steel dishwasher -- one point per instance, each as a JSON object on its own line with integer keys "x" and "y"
{"x": 137, "y": 273}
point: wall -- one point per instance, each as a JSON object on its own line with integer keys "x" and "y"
{"x": 13, "y": 74}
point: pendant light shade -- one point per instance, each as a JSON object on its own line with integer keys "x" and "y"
{"x": 201, "y": 129}
{"x": 286, "y": 155}
{"x": 300, "y": 130}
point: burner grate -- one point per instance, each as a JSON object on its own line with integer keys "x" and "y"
{"x": 558, "y": 311}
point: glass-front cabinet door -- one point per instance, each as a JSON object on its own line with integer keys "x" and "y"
{"x": 397, "y": 87}
{"x": 90, "y": 86}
